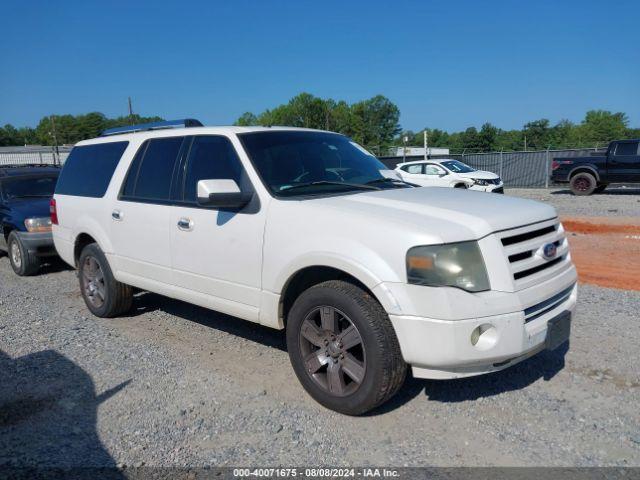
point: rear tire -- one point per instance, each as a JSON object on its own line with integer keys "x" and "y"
{"x": 343, "y": 348}
{"x": 583, "y": 184}
{"x": 104, "y": 296}
{"x": 22, "y": 261}
{"x": 600, "y": 188}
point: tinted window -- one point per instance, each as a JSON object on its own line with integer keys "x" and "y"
{"x": 310, "y": 163}
{"x": 413, "y": 168}
{"x": 156, "y": 170}
{"x": 132, "y": 175}
{"x": 212, "y": 158}
{"x": 88, "y": 169}
{"x": 29, "y": 187}
{"x": 458, "y": 167}
{"x": 630, "y": 148}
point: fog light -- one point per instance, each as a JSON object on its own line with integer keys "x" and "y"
{"x": 484, "y": 336}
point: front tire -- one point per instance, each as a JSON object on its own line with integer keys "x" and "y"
{"x": 460, "y": 185}
{"x": 583, "y": 184}
{"x": 104, "y": 296}
{"x": 343, "y": 348}
{"x": 22, "y": 261}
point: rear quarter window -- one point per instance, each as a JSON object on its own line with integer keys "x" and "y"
{"x": 89, "y": 168}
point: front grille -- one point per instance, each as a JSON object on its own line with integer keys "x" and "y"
{"x": 524, "y": 251}
{"x": 547, "y": 305}
{"x": 527, "y": 236}
{"x": 536, "y": 269}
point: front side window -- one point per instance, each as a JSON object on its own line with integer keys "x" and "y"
{"x": 151, "y": 171}
{"x": 457, "y": 167}
{"x": 627, "y": 148}
{"x": 433, "y": 170}
{"x": 29, "y": 187}
{"x": 212, "y": 158}
{"x": 88, "y": 169}
{"x": 298, "y": 163}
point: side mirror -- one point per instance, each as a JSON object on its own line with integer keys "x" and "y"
{"x": 222, "y": 194}
{"x": 443, "y": 174}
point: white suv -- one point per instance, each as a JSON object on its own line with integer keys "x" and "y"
{"x": 449, "y": 173}
{"x": 304, "y": 230}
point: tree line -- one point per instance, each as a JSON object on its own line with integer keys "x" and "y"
{"x": 66, "y": 129}
{"x": 596, "y": 129}
{"x": 373, "y": 123}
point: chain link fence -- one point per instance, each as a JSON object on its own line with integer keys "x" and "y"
{"x": 33, "y": 155}
{"x": 530, "y": 169}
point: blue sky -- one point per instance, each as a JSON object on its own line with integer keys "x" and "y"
{"x": 448, "y": 64}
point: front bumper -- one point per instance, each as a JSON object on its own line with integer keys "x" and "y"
{"x": 38, "y": 244}
{"x": 441, "y": 348}
{"x": 488, "y": 188}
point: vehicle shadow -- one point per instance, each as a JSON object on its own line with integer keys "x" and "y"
{"x": 53, "y": 265}
{"x": 544, "y": 365}
{"x": 145, "y": 302}
{"x": 48, "y": 413}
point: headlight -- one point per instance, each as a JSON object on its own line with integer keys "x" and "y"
{"x": 455, "y": 265}
{"x": 38, "y": 224}
{"x": 480, "y": 181}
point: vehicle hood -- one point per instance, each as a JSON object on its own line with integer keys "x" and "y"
{"x": 29, "y": 207}
{"x": 444, "y": 214}
{"x": 479, "y": 174}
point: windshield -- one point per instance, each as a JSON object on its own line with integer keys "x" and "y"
{"x": 25, "y": 187}
{"x": 457, "y": 166}
{"x": 294, "y": 163}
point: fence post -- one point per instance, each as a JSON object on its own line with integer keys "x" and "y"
{"x": 546, "y": 169}
{"x": 501, "y": 163}
{"x": 40, "y": 155}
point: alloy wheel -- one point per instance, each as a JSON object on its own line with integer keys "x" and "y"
{"x": 16, "y": 255}
{"x": 333, "y": 351}
{"x": 93, "y": 282}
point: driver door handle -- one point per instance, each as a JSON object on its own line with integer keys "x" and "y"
{"x": 185, "y": 224}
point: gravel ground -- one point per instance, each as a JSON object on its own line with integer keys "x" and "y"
{"x": 172, "y": 384}
{"x": 615, "y": 201}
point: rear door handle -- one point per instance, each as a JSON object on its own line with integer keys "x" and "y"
{"x": 185, "y": 224}
{"x": 117, "y": 215}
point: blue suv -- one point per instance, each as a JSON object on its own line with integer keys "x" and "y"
{"x": 25, "y": 223}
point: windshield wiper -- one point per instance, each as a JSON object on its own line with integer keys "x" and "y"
{"x": 327, "y": 182}
{"x": 387, "y": 180}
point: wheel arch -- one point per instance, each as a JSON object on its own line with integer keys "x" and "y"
{"x": 584, "y": 169}
{"x": 304, "y": 277}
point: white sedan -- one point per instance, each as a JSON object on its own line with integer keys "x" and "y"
{"x": 449, "y": 173}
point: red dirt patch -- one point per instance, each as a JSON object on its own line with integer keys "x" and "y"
{"x": 606, "y": 251}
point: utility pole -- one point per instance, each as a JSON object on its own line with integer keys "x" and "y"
{"x": 130, "y": 112}
{"x": 56, "y": 152}
{"x": 426, "y": 144}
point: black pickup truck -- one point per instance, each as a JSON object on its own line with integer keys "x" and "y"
{"x": 592, "y": 174}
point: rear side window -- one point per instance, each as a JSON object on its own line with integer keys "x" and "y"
{"x": 151, "y": 171}
{"x": 211, "y": 158}
{"x": 417, "y": 168}
{"x": 88, "y": 169}
{"x": 630, "y": 148}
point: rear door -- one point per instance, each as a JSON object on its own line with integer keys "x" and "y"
{"x": 217, "y": 253}
{"x": 140, "y": 215}
{"x": 413, "y": 173}
{"x": 624, "y": 162}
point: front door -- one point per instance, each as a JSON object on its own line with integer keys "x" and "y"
{"x": 624, "y": 162}
{"x": 217, "y": 254}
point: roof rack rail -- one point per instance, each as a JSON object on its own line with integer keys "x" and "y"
{"x": 185, "y": 122}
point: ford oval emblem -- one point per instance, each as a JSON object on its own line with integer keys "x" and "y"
{"x": 549, "y": 251}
